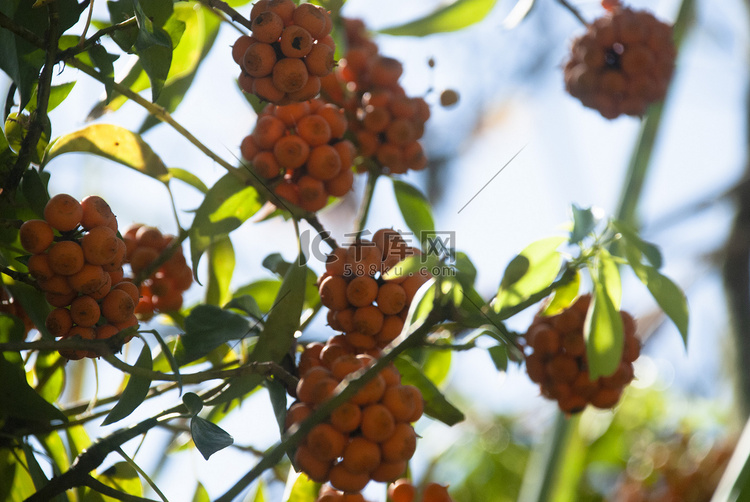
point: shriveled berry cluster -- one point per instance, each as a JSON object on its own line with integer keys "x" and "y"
{"x": 300, "y": 148}
{"x": 9, "y": 305}
{"x": 402, "y": 490}
{"x": 370, "y": 437}
{"x": 623, "y": 63}
{"x": 76, "y": 258}
{"x": 163, "y": 290}
{"x": 386, "y": 122}
{"x": 289, "y": 51}
{"x": 558, "y": 362}
{"x": 368, "y": 309}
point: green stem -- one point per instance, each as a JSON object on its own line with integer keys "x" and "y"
{"x": 364, "y": 208}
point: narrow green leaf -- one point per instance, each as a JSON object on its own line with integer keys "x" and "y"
{"x": 630, "y": 237}
{"x": 56, "y": 452}
{"x": 167, "y": 353}
{"x": 135, "y": 391}
{"x": 220, "y": 268}
{"x": 603, "y": 333}
{"x": 187, "y": 177}
{"x": 35, "y": 191}
{"x": 206, "y": 328}
{"x": 201, "y": 495}
{"x": 535, "y": 268}
{"x": 103, "y": 61}
{"x": 35, "y": 470}
{"x": 415, "y": 209}
{"x": 18, "y": 400}
{"x": 50, "y": 375}
{"x": 300, "y": 488}
{"x": 277, "y": 395}
{"x": 563, "y": 296}
{"x": 57, "y": 95}
{"x": 518, "y": 14}
{"x": 122, "y": 477}
{"x": 609, "y": 275}
{"x": 436, "y": 405}
{"x": 227, "y": 205}
{"x": 499, "y": 356}
{"x": 455, "y": 16}
{"x": 260, "y": 492}
{"x": 33, "y": 302}
{"x": 114, "y": 143}
{"x": 208, "y": 437}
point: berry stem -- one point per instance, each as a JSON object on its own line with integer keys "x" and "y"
{"x": 364, "y": 208}
{"x": 18, "y": 276}
{"x": 325, "y": 234}
{"x": 573, "y": 11}
{"x": 229, "y": 11}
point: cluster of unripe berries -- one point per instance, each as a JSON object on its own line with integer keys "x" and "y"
{"x": 367, "y": 308}
{"x": 162, "y": 290}
{"x": 301, "y": 150}
{"x": 622, "y": 64}
{"x": 289, "y": 50}
{"x": 369, "y": 437}
{"x": 76, "y": 259}
{"x": 386, "y": 122}
{"x": 558, "y": 360}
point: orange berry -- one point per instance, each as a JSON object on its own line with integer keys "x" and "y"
{"x": 36, "y": 236}
{"x": 59, "y": 322}
{"x": 96, "y": 212}
{"x": 291, "y": 114}
{"x": 400, "y": 132}
{"x": 296, "y": 413}
{"x": 367, "y": 142}
{"x": 347, "y": 417}
{"x": 287, "y": 191}
{"x": 65, "y": 257}
{"x": 100, "y": 245}
{"x": 308, "y": 91}
{"x": 368, "y": 320}
{"x": 345, "y": 318}
{"x": 319, "y": 61}
{"x": 401, "y": 400}
{"x": 391, "y": 298}
{"x": 344, "y": 365}
{"x": 267, "y": 27}
{"x": 543, "y": 339}
{"x": 392, "y": 326}
{"x": 291, "y": 151}
{"x": 336, "y": 261}
{"x": 85, "y": 311}
{"x": 341, "y": 184}
{"x": 284, "y": 8}
{"x": 268, "y": 130}
{"x": 371, "y": 392}
{"x": 363, "y": 258}
{"x": 362, "y": 291}
{"x": 289, "y": 74}
{"x": 389, "y": 471}
{"x": 413, "y": 156}
{"x": 141, "y": 258}
{"x": 296, "y": 41}
{"x": 117, "y": 306}
{"x": 402, "y": 490}
{"x": 562, "y": 368}
{"x": 312, "y": 193}
{"x": 377, "y": 423}
{"x": 59, "y": 299}
{"x": 311, "y": 18}
{"x": 435, "y": 492}
{"x": 361, "y": 456}
{"x": 265, "y": 89}
{"x": 325, "y": 442}
{"x": 249, "y": 148}
{"x": 324, "y": 162}
{"x": 309, "y": 381}
{"x": 333, "y": 293}
{"x": 401, "y": 445}
{"x": 335, "y": 118}
{"x": 310, "y": 464}
{"x": 314, "y": 129}
{"x": 342, "y": 478}
{"x": 240, "y": 46}
{"x": 63, "y": 212}
{"x": 266, "y": 165}
{"x": 85, "y": 333}
{"x": 39, "y": 268}
{"x": 105, "y": 331}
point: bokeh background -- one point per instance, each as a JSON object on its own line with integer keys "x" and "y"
{"x": 512, "y": 103}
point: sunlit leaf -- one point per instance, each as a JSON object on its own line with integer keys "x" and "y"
{"x": 187, "y": 177}
{"x": 208, "y": 437}
{"x": 630, "y": 237}
{"x": 300, "y": 488}
{"x": 35, "y": 470}
{"x": 563, "y": 296}
{"x": 455, "y": 16}
{"x": 603, "y": 332}
{"x": 535, "y": 268}
{"x": 220, "y": 268}
{"x": 135, "y": 391}
{"x": 246, "y": 304}
{"x": 415, "y": 209}
{"x": 201, "y": 495}
{"x": 608, "y": 273}
{"x": 122, "y": 477}
{"x": 50, "y": 375}
{"x": 227, "y": 205}
{"x": 263, "y": 291}
{"x": 57, "y": 95}
{"x": 436, "y": 405}
{"x": 436, "y": 365}
{"x": 114, "y": 143}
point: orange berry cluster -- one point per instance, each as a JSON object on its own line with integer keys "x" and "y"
{"x": 289, "y": 51}
{"x": 623, "y": 63}
{"x": 387, "y": 124}
{"x": 328, "y": 493}
{"x": 300, "y": 148}
{"x": 161, "y": 291}
{"x": 370, "y": 437}
{"x": 8, "y": 305}
{"x": 368, "y": 309}
{"x": 558, "y": 361}
{"x": 76, "y": 258}
{"x": 402, "y": 490}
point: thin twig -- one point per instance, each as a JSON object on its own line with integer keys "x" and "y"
{"x": 574, "y": 11}
{"x": 229, "y": 11}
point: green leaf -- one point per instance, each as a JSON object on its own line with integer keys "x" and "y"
{"x": 453, "y": 17}
{"x": 603, "y": 333}
{"x": 630, "y": 238}
{"x": 201, "y": 495}
{"x": 187, "y": 177}
{"x": 16, "y": 129}
{"x": 532, "y": 270}
{"x": 300, "y": 488}
{"x": 114, "y": 143}
{"x": 135, "y": 391}
{"x": 608, "y": 274}
{"x": 584, "y": 222}
{"x": 227, "y": 205}
{"x": 415, "y": 209}
{"x": 193, "y": 402}
{"x": 35, "y": 191}
{"x": 436, "y": 405}
{"x": 518, "y": 13}
{"x": 33, "y": 302}
{"x": 167, "y": 354}
{"x": 220, "y": 268}
{"x": 436, "y": 365}
{"x": 154, "y": 48}
{"x": 103, "y": 61}
{"x": 122, "y": 477}
{"x": 669, "y": 296}
{"x": 50, "y": 375}
{"x": 57, "y": 95}
{"x": 563, "y": 296}
{"x": 35, "y": 470}
{"x": 499, "y": 356}
{"x": 208, "y": 327}
{"x": 263, "y": 291}
{"x": 277, "y": 395}
{"x": 246, "y": 304}
{"x": 208, "y": 437}
{"x": 277, "y": 337}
